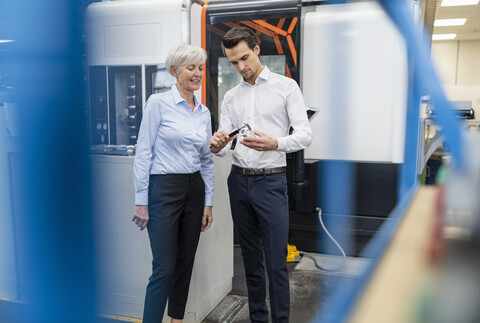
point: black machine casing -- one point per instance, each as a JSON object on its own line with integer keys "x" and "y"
{"x": 372, "y": 197}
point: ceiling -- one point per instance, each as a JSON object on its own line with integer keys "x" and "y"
{"x": 469, "y": 31}
{"x": 432, "y": 9}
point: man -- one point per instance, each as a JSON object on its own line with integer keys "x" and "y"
{"x": 269, "y": 103}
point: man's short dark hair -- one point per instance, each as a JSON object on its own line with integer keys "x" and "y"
{"x": 236, "y": 35}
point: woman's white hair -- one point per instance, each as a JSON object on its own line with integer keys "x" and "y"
{"x": 184, "y": 54}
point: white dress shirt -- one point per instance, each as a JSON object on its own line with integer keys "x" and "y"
{"x": 271, "y": 105}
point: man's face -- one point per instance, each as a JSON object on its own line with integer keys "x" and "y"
{"x": 245, "y": 61}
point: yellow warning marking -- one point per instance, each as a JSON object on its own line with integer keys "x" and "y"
{"x": 121, "y": 318}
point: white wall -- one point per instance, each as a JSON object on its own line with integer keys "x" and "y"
{"x": 458, "y": 65}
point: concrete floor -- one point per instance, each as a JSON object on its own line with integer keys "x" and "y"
{"x": 309, "y": 288}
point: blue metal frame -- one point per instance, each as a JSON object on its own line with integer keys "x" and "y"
{"x": 422, "y": 79}
{"x": 52, "y": 184}
{"x": 426, "y": 79}
{"x": 340, "y": 303}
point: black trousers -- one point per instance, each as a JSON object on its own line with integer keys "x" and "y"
{"x": 259, "y": 206}
{"x": 175, "y": 209}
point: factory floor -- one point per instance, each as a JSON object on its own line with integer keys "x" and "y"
{"x": 309, "y": 288}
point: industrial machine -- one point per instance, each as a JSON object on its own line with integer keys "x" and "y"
{"x": 127, "y": 44}
{"x": 463, "y": 110}
{"x": 351, "y": 64}
{"x": 359, "y": 85}
{"x": 431, "y": 152}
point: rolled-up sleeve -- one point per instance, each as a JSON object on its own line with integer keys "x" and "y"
{"x": 207, "y": 169}
{"x": 143, "y": 155}
{"x": 301, "y": 136}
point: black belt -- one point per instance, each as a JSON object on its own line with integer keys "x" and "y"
{"x": 258, "y": 171}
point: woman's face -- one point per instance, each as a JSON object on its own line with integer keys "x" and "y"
{"x": 189, "y": 76}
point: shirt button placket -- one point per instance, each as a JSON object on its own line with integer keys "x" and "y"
{"x": 193, "y": 132}
{"x": 251, "y": 121}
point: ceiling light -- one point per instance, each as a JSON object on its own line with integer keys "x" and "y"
{"x": 6, "y": 41}
{"x": 450, "y": 22}
{"x": 450, "y": 3}
{"x": 443, "y": 36}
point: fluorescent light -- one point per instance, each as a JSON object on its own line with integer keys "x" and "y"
{"x": 450, "y": 22}
{"x": 6, "y": 41}
{"x": 443, "y": 36}
{"x": 450, "y": 3}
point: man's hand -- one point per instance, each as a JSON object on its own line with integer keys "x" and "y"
{"x": 260, "y": 143}
{"x": 219, "y": 140}
{"x": 207, "y": 218}
{"x": 140, "y": 216}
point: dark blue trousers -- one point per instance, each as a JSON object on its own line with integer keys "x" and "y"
{"x": 259, "y": 206}
{"x": 175, "y": 209}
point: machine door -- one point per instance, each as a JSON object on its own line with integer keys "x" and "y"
{"x": 158, "y": 79}
{"x": 115, "y": 104}
{"x": 277, "y": 25}
{"x": 98, "y": 105}
{"x": 125, "y": 104}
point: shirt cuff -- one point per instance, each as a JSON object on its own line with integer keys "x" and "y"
{"x": 141, "y": 198}
{"x": 208, "y": 199}
{"x": 221, "y": 153}
{"x": 282, "y": 144}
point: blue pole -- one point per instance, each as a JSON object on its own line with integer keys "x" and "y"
{"x": 50, "y": 176}
{"x": 426, "y": 78}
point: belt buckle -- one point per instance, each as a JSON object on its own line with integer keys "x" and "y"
{"x": 250, "y": 172}
{"x": 259, "y": 171}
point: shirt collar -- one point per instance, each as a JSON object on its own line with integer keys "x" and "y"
{"x": 264, "y": 75}
{"x": 177, "y": 97}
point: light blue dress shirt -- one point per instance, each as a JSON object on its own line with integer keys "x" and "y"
{"x": 173, "y": 139}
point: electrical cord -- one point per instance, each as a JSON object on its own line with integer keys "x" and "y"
{"x": 330, "y": 270}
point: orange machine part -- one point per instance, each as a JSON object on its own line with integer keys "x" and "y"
{"x": 204, "y": 46}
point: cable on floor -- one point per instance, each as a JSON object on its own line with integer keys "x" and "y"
{"x": 330, "y": 270}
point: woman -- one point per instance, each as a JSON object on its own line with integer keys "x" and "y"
{"x": 174, "y": 181}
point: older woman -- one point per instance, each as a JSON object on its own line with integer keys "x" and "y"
{"x": 174, "y": 181}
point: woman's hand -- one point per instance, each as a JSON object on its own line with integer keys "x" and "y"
{"x": 140, "y": 216}
{"x": 207, "y": 218}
